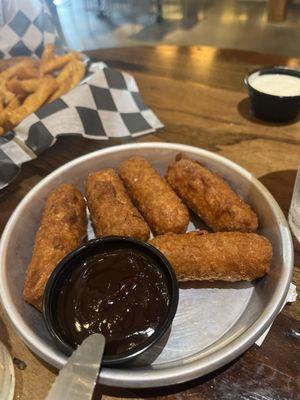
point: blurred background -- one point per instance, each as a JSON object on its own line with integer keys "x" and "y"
{"x": 270, "y": 26}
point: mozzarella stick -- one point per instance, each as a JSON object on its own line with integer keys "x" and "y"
{"x": 153, "y": 197}
{"x": 62, "y": 229}
{"x": 225, "y": 256}
{"x": 112, "y": 212}
{"x": 210, "y": 197}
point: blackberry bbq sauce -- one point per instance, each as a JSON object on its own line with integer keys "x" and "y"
{"x": 121, "y": 293}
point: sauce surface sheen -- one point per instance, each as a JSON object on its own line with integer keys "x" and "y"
{"x": 121, "y": 294}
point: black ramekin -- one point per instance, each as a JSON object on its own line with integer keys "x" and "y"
{"x": 64, "y": 270}
{"x": 270, "y": 107}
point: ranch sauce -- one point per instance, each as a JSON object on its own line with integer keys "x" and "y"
{"x": 276, "y": 84}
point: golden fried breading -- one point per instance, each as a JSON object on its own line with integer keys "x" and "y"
{"x": 153, "y": 197}
{"x": 210, "y": 197}
{"x": 225, "y": 256}
{"x": 62, "y": 229}
{"x": 112, "y": 212}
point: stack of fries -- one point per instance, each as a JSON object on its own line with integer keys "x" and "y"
{"x": 27, "y": 83}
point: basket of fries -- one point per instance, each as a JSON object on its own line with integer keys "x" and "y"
{"x": 27, "y": 83}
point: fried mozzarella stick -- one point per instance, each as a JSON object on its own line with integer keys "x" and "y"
{"x": 210, "y": 197}
{"x": 62, "y": 229}
{"x": 112, "y": 212}
{"x": 225, "y": 256}
{"x": 153, "y": 197}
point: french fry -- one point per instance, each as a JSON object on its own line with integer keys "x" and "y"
{"x": 9, "y": 73}
{"x": 12, "y": 105}
{"x": 5, "y": 93}
{"x": 65, "y": 72}
{"x": 62, "y": 89}
{"x": 31, "y": 85}
{"x": 9, "y": 62}
{"x": 58, "y": 62}
{"x": 27, "y": 72}
{"x": 13, "y": 70}
{"x": 26, "y": 86}
{"x": 25, "y": 77}
{"x": 33, "y": 101}
{"x": 15, "y": 86}
{"x": 2, "y": 113}
{"x": 78, "y": 72}
{"x": 69, "y": 77}
{"x": 48, "y": 53}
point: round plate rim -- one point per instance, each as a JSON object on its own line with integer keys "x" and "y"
{"x": 143, "y": 377}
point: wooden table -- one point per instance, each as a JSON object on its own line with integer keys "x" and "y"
{"x": 198, "y": 93}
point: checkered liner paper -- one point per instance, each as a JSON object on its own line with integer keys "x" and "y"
{"x": 25, "y": 27}
{"x": 107, "y": 105}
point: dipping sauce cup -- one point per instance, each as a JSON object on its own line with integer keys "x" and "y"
{"x": 121, "y": 287}
{"x": 274, "y": 93}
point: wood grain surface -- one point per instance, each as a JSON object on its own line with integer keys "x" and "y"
{"x": 198, "y": 93}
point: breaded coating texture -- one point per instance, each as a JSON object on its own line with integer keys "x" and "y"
{"x": 112, "y": 212}
{"x": 225, "y": 256}
{"x": 210, "y": 197}
{"x": 62, "y": 229}
{"x": 154, "y": 198}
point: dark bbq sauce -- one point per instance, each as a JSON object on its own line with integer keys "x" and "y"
{"x": 121, "y": 294}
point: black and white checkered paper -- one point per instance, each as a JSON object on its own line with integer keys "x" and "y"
{"x": 25, "y": 27}
{"x": 107, "y": 105}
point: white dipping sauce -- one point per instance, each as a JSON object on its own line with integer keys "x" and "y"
{"x": 276, "y": 84}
